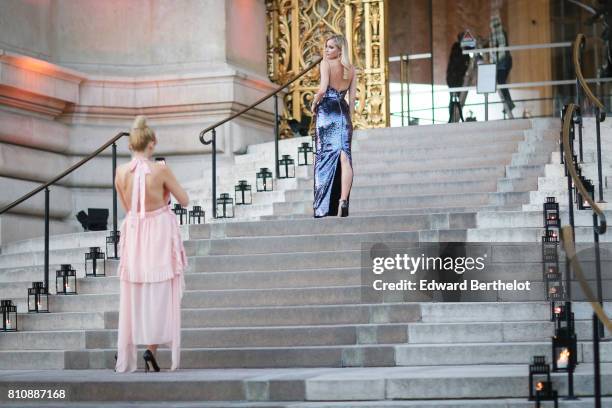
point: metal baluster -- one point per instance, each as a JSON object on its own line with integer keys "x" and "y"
{"x": 114, "y": 200}
{"x": 47, "y": 237}
{"x": 276, "y": 131}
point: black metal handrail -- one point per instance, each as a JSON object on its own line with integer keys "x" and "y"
{"x": 60, "y": 176}
{"x": 213, "y": 129}
{"x": 600, "y": 109}
{"x": 63, "y": 174}
{"x": 569, "y": 161}
{"x": 598, "y": 214}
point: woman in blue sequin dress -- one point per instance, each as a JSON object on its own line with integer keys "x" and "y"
{"x": 334, "y": 129}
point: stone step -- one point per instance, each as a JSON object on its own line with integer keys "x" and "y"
{"x": 472, "y": 148}
{"x": 238, "y": 246}
{"x": 60, "y": 241}
{"x": 334, "y": 295}
{"x": 434, "y": 164}
{"x": 331, "y": 226}
{"x": 212, "y": 280}
{"x": 487, "y": 353}
{"x": 583, "y": 402}
{"x": 414, "y": 201}
{"x": 490, "y": 332}
{"x": 232, "y": 317}
{"x": 439, "y": 141}
{"x": 404, "y": 190}
{"x": 524, "y": 234}
{"x": 217, "y": 337}
{"x": 379, "y": 355}
{"x": 526, "y": 219}
{"x": 402, "y": 211}
{"x": 359, "y": 385}
{"x": 293, "y": 315}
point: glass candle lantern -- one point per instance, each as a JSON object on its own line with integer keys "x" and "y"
{"x": 305, "y": 154}
{"x": 264, "y": 180}
{"x": 38, "y": 298}
{"x": 94, "y": 262}
{"x": 225, "y": 206}
{"x": 242, "y": 193}
{"x": 551, "y": 213}
{"x": 196, "y": 214}
{"x": 539, "y": 371}
{"x": 180, "y": 212}
{"x": 564, "y": 351}
{"x": 583, "y": 204}
{"x": 8, "y": 311}
{"x": 66, "y": 280}
{"x": 112, "y": 242}
{"x": 286, "y": 167}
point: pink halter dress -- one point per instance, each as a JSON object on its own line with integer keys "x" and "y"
{"x": 151, "y": 277}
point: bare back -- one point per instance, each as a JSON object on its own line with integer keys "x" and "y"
{"x": 156, "y": 195}
{"x": 336, "y": 75}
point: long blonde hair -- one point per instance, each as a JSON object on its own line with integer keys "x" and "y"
{"x": 341, "y": 43}
{"x": 141, "y": 134}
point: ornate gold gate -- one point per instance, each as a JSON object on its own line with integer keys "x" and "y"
{"x": 296, "y": 33}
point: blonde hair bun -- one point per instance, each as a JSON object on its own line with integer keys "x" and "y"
{"x": 140, "y": 122}
{"x": 141, "y": 134}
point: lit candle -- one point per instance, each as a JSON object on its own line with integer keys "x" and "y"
{"x": 563, "y": 359}
{"x": 9, "y": 325}
{"x": 539, "y": 386}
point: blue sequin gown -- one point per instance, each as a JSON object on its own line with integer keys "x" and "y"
{"x": 333, "y": 132}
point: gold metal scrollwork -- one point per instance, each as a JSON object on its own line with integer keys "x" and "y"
{"x": 296, "y": 32}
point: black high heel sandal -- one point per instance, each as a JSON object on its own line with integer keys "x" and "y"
{"x": 149, "y": 358}
{"x": 344, "y": 208}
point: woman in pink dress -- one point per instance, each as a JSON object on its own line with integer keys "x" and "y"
{"x": 152, "y": 256}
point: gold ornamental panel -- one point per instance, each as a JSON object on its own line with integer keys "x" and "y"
{"x": 296, "y": 33}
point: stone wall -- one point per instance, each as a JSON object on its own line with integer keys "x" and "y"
{"x": 75, "y": 73}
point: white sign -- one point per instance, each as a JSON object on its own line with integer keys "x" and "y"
{"x": 487, "y": 78}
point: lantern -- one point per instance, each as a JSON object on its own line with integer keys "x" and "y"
{"x": 304, "y": 154}
{"x": 242, "y": 193}
{"x": 196, "y": 213}
{"x": 180, "y": 212}
{"x": 264, "y": 180}
{"x": 286, "y": 167}
{"x": 557, "y": 311}
{"x": 66, "y": 280}
{"x": 225, "y": 206}
{"x": 539, "y": 372}
{"x": 111, "y": 240}
{"x": 92, "y": 258}
{"x": 550, "y": 245}
{"x": 551, "y": 213}
{"x": 38, "y": 298}
{"x": 583, "y": 204}
{"x": 554, "y": 286}
{"x": 8, "y": 311}
{"x": 564, "y": 351}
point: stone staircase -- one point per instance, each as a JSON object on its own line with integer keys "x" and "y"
{"x": 274, "y": 314}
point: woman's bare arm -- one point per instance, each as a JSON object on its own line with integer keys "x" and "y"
{"x": 352, "y": 92}
{"x": 172, "y": 185}
{"x": 119, "y": 188}
{"x": 323, "y": 85}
